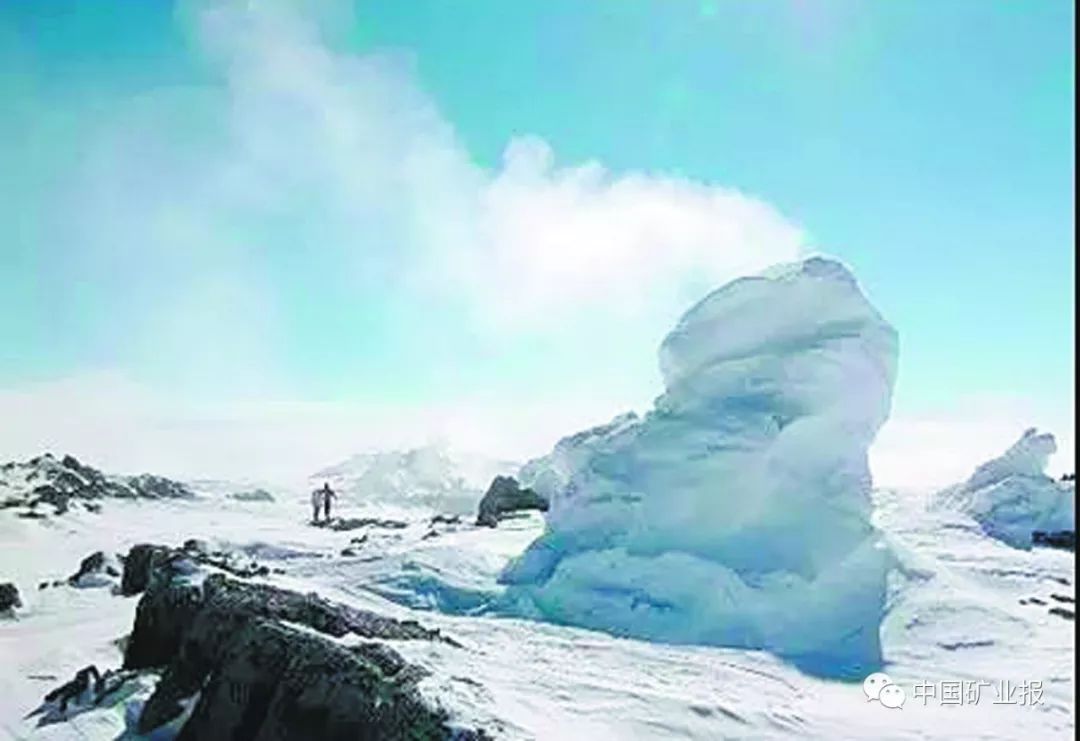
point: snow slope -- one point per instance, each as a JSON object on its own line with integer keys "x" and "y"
{"x": 736, "y": 512}
{"x": 954, "y": 613}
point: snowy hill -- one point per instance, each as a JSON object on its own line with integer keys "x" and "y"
{"x": 46, "y": 481}
{"x": 434, "y": 476}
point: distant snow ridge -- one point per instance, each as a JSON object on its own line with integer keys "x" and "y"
{"x": 46, "y": 481}
{"x": 1011, "y": 497}
{"x": 434, "y": 476}
{"x": 737, "y": 511}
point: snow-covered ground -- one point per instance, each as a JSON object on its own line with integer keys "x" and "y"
{"x": 959, "y": 612}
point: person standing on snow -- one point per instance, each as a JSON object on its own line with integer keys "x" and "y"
{"x": 316, "y": 505}
{"x": 327, "y": 494}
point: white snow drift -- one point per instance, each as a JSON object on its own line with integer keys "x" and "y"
{"x": 736, "y": 512}
{"x": 1011, "y": 497}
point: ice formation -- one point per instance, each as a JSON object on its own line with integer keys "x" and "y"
{"x": 1012, "y": 498}
{"x": 737, "y": 511}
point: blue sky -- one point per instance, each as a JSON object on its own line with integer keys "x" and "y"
{"x": 219, "y": 206}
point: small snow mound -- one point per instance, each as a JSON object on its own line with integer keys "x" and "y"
{"x": 737, "y": 511}
{"x": 1012, "y": 498}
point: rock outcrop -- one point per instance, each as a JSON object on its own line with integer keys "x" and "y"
{"x": 255, "y": 661}
{"x": 87, "y": 690}
{"x": 345, "y": 524}
{"x": 252, "y": 495}
{"x": 9, "y": 598}
{"x": 139, "y": 565}
{"x": 96, "y": 570}
{"x": 45, "y": 482}
{"x": 1063, "y": 539}
{"x": 504, "y": 497}
{"x": 144, "y": 559}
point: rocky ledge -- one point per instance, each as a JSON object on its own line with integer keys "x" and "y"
{"x": 243, "y": 660}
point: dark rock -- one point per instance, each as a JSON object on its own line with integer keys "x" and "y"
{"x": 505, "y": 496}
{"x": 138, "y": 566}
{"x": 196, "y": 546}
{"x": 349, "y": 552}
{"x": 49, "y": 494}
{"x": 95, "y": 570}
{"x": 258, "y": 677}
{"x": 255, "y": 495}
{"x": 86, "y": 678}
{"x": 343, "y": 524}
{"x": 1064, "y": 539}
{"x": 1063, "y": 598}
{"x": 1063, "y": 612}
{"x": 446, "y": 520}
{"x": 171, "y": 603}
{"x": 88, "y": 689}
{"x": 269, "y": 681}
{"x": 9, "y": 597}
{"x": 158, "y": 487}
{"x": 143, "y": 559}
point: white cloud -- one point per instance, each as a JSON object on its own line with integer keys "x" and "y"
{"x": 527, "y": 244}
{"x": 556, "y": 240}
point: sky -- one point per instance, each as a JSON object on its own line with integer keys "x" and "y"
{"x": 251, "y": 238}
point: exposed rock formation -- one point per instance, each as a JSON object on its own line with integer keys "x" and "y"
{"x": 45, "y": 481}
{"x": 264, "y": 664}
{"x": 344, "y": 524}
{"x": 1064, "y": 539}
{"x": 253, "y": 495}
{"x": 96, "y": 570}
{"x": 505, "y": 496}
{"x": 9, "y": 598}
{"x": 139, "y": 565}
{"x": 87, "y": 690}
